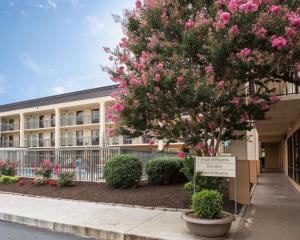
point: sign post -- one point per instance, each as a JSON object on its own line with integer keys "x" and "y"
{"x": 218, "y": 167}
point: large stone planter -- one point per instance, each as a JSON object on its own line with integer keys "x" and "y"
{"x": 210, "y": 228}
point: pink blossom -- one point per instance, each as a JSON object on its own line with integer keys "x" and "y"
{"x": 234, "y": 30}
{"x": 123, "y": 43}
{"x": 275, "y": 9}
{"x": 200, "y": 146}
{"x": 120, "y": 70}
{"x": 56, "y": 170}
{"x": 135, "y": 82}
{"x": 157, "y": 89}
{"x": 160, "y": 66}
{"x": 221, "y": 84}
{"x": 138, "y": 4}
{"x": 110, "y": 132}
{"x": 137, "y": 66}
{"x": 189, "y": 24}
{"x": 219, "y": 25}
{"x": 181, "y": 154}
{"x": 245, "y": 52}
{"x": 179, "y": 80}
{"x": 290, "y": 32}
{"x": 233, "y": 6}
{"x": 106, "y": 49}
{"x": 261, "y": 32}
{"x": 157, "y": 77}
{"x": 278, "y": 42}
{"x": 209, "y": 69}
{"x": 294, "y": 19}
{"x": 235, "y": 101}
{"x": 211, "y": 150}
{"x": 151, "y": 141}
{"x": 249, "y": 7}
{"x": 225, "y": 17}
{"x": 118, "y": 107}
{"x": 274, "y": 98}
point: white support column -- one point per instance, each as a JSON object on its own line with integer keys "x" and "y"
{"x": 57, "y": 128}
{"x": 102, "y": 123}
{"x": 22, "y": 130}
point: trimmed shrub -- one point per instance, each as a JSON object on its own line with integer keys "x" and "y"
{"x": 207, "y": 204}
{"x": 7, "y": 168}
{"x": 44, "y": 169}
{"x": 123, "y": 171}
{"x": 165, "y": 171}
{"x": 66, "y": 179}
{"x": 40, "y": 180}
{"x": 9, "y": 179}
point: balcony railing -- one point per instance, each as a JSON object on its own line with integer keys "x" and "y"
{"x": 40, "y": 143}
{"x": 86, "y": 119}
{"x": 81, "y": 141}
{"x": 9, "y": 143}
{"x": 10, "y": 127}
{"x": 284, "y": 88}
{"x": 40, "y": 124}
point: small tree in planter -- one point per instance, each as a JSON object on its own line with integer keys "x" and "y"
{"x": 207, "y": 218}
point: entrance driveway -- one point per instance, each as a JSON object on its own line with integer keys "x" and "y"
{"x": 275, "y": 210}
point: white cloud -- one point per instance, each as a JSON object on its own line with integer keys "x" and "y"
{"x": 30, "y": 63}
{"x": 58, "y": 90}
{"x": 76, "y": 3}
{"x": 94, "y": 25}
{"x": 52, "y": 3}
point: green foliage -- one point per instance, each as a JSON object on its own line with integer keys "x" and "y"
{"x": 40, "y": 180}
{"x": 207, "y": 204}
{"x": 201, "y": 182}
{"x": 165, "y": 171}
{"x": 7, "y": 168}
{"x": 66, "y": 179}
{"x": 123, "y": 171}
{"x": 9, "y": 179}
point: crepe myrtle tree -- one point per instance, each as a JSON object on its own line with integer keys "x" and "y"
{"x": 199, "y": 70}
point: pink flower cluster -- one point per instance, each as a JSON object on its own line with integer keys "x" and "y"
{"x": 278, "y": 42}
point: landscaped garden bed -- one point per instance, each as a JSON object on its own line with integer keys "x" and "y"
{"x": 169, "y": 196}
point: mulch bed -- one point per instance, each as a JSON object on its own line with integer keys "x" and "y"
{"x": 171, "y": 196}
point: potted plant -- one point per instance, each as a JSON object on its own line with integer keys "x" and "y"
{"x": 207, "y": 218}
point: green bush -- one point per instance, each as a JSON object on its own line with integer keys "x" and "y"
{"x": 207, "y": 204}
{"x": 165, "y": 170}
{"x": 7, "y": 168}
{"x": 123, "y": 171}
{"x": 66, "y": 179}
{"x": 9, "y": 179}
{"x": 201, "y": 182}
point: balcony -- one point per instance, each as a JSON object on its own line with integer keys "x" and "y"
{"x": 9, "y": 143}
{"x": 284, "y": 88}
{"x": 80, "y": 141}
{"x": 40, "y": 143}
{"x": 36, "y": 124}
{"x": 81, "y": 120}
{"x": 10, "y": 127}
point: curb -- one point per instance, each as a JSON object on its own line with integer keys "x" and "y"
{"x": 73, "y": 229}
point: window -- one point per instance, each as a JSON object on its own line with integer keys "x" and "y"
{"x": 95, "y": 136}
{"x": 11, "y": 124}
{"x": 293, "y": 144}
{"x": 79, "y": 117}
{"x": 41, "y": 140}
{"x": 41, "y": 122}
{"x": 11, "y": 141}
{"x": 127, "y": 140}
{"x": 79, "y": 138}
{"x": 52, "y": 139}
{"x": 52, "y": 124}
{"x": 95, "y": 116}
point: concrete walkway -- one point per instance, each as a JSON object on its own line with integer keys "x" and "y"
{"x": 95, "y": 220}
{"x": 275, "y": 211}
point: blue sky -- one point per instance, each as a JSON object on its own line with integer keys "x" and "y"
{"x": 54, "y": 46}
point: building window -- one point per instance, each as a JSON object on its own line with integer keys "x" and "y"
{"x": 95, "y": 116}
{"x": 79, "y": 138}
{"x": 52, "y": 139}
{"x": 79, "y": 117}
{"x": 41, "y": 122}
{"x": 293, "y": 144}
{"x": 41, "y": 140}
{"x": 95, "y": 136}
{"x": 11, "y": 141}
{"x": 127, "y": 140}
{"x": 52, "y": 120}
{"x": 11, "y": 124}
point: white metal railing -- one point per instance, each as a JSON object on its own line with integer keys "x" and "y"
{"x": 86, "y": 119}
{"x": 37, "y": 124}
{"x": 10, "y": 127}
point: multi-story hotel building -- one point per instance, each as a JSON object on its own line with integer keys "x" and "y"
{"x": 72, "y": 120}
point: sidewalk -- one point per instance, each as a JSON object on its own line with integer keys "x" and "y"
{"x": 275, "y": 211}
{"x": 95, "y": 220}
